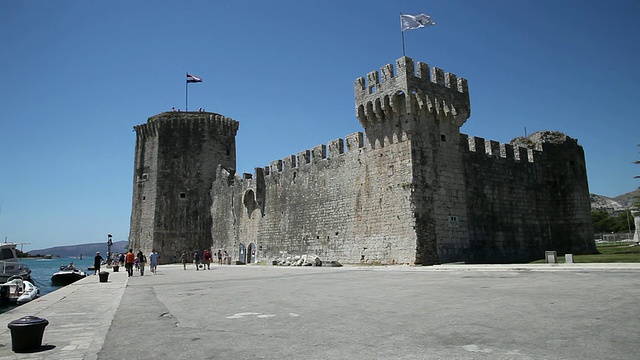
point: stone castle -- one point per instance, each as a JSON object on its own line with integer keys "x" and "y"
{"x": 411, "y": 190}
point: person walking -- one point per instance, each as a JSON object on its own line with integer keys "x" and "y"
{"x": 219, "y": 257}
{"x": 207, "y": 258}
{"x": 142, "y": 260}
{"x": 196, "y": 259}
{"x": 97, "y": 261}
{"x": 183, "y": 258}
{"x": 153, "y": 261}
{"x": 129, "y": 260}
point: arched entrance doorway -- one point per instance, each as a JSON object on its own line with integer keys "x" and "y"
{"x": 251, "y": 253}
{"x": 242, "y": 253}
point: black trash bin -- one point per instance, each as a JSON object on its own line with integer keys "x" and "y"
{"x": 104, "y": 276}
{"x": 116, "y": 268}
{"x": 26, "y": 333}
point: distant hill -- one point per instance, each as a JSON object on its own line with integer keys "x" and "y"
{"x": 613, "y": 205}
{"x": 629, "y": 199}
{"x": 81, "y": 249}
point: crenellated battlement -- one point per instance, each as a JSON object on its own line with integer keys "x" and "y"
{"x": 389, "y": 91}
{"x": 496, "y": 150}
{"x": 223, "y": 124}
{"x": 404, "y": 75}
{"x": 534, "y": 148}
{"x": 352, "y": 142}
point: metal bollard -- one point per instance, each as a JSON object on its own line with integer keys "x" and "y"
{"x": 26, "y": 333}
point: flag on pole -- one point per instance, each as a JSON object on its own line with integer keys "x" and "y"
{"x": 193, "y": 78}
{"x": 412, "y": 22}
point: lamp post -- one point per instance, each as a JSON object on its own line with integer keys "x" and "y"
{"x": 109, "y": 243}
{"x": 629, "y": 224}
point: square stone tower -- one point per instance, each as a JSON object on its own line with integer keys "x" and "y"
{"x": 176, "y": 157}
{"x": 425, "y": 107}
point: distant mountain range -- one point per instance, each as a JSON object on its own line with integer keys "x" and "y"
{"x": 82, "y": 249}
{"x": 617, "y": 204}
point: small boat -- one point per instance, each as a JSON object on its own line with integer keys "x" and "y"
{"x": 10, "y": 265}
{"x": 18, "y": 291}
{"x": 67, "y": 275}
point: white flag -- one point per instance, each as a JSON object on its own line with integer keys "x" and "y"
{"x": 412, "y": 22}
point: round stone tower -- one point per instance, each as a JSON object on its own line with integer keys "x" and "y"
{"x": 176, "y": 157}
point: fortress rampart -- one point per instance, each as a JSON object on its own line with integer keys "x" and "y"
{"x": 507, "y": 203}
{"x": 410, "y": 189}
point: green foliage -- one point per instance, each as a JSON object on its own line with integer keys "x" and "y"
{"x": 612, "y": 253}
{"x": 605, "y": 223}
{"x": 609, "y": 253}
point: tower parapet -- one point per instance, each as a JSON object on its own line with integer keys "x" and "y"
{"x": 223, "y": 124}
{"x": 376, "y": 98}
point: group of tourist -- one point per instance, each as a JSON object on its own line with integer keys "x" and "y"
{"x": 205, "y": 260}
{"x": 173, "y": 109}
{"x": 138, "y": 261}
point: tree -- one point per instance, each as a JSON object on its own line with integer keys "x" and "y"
{"x": 603, "y": 222}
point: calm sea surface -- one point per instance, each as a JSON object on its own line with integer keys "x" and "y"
{"x": 43, "y": 269}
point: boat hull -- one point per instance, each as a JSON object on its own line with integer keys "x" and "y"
{"x": 30, "y": 292}
{"x": 23, "y": 273}
{"x": 18, "y": 291}
{"x": 66, "y": 278}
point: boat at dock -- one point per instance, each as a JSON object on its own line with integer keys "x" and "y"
{"x": 10, "y": 264}
{"x": 67, "y": 274}
{"x": 18, "y": 291}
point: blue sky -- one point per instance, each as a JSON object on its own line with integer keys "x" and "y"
{"x": 78, "y": 75}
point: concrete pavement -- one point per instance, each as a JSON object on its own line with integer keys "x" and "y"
{"x": 79, "y": 315}
{"x": 523, "y": 311}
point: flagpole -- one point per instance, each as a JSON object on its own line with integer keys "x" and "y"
{"x": 186, "y": 93}
{"x": 402, "y": 31}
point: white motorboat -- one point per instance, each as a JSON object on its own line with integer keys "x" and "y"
{"x": 67, "y": 275}
{"x": 10, "y": 265}
{"x": 18, "y": 291}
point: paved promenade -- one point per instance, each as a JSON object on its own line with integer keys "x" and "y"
{"x": 397, "y": 312}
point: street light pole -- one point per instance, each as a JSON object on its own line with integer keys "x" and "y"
{"x": 629, "y": 224}
{"x": 109, "y": 243}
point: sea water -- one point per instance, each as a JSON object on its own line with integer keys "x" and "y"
{"x": 43, "y": 269}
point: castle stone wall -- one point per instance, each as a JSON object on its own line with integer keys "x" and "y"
{"x": 145, "y": 178}
{"x": 523, "y": 202}
{"x": 351, "y": 206}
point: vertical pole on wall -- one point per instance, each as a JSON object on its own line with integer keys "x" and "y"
{"x": 186, "y": 93}
{"x": 402, "y": 31}
{"x": 403, "y": 43}
{"x": 628, "y": 211}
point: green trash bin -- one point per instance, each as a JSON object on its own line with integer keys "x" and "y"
{"x": 26, "y": 333}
